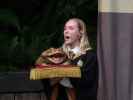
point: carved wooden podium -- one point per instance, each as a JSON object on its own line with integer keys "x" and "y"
{"x": 54, "y": 71}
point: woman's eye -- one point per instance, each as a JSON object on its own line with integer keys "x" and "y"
{"x": 71, "y": 28}
{"x": 64, "y": 28}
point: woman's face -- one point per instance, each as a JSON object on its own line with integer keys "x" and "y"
{"x": 72, "y": 33}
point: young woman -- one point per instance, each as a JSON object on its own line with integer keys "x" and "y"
{"x": 78, "y": 49}
{"x": 76, "y": 41}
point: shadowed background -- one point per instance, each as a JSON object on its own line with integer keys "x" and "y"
{"x": 27, "y": 27}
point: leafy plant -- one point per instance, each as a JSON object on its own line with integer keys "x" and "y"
{"x": 28, "y": 30}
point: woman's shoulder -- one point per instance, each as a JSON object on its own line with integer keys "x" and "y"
{"x": 88, "y": 55}
{"x": 91, "y": 53}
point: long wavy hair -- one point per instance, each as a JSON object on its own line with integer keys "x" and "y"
{"x": 84, "y": 42}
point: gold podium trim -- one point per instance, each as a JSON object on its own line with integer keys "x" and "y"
{"x": 54, "y": 72}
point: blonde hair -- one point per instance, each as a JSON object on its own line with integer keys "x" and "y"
{"x": 84, "y": 42}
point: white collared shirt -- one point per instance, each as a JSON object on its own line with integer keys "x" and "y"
{"x": 76, "y": 50}
{"x": 65, "y": 81}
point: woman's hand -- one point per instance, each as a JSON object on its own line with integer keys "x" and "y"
{"x": 54, "y": 81}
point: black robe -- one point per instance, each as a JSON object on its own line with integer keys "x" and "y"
{"x": 86, "y": 86}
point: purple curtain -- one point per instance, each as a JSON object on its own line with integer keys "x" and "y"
{"x": 115, "y": 49}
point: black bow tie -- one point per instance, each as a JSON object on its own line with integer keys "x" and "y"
{"x": 71, "y": 55}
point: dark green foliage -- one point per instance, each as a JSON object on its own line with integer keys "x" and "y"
{"x": 29, "y": 27}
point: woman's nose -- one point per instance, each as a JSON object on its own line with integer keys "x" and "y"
{"x": 65, "y": 31}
